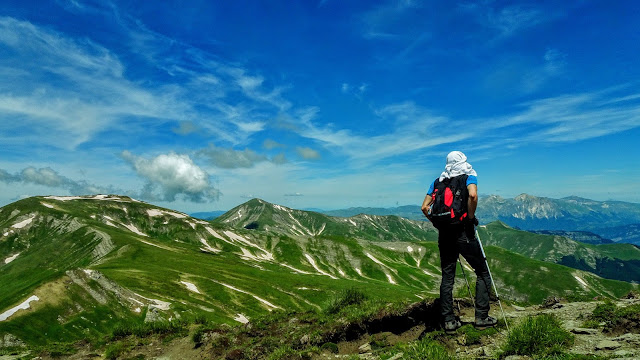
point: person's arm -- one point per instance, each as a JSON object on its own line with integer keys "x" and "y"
{"x": 472, "y": 203}
{"x": 425, "y": 205}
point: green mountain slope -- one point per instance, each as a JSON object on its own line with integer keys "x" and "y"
{"x": 74, "y": 267}
{"x": 614, "y": 261}
{"x": 261, "y": 215}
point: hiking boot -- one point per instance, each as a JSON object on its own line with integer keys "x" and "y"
{"x": 451, "y": 326}
{"x": 487, "y": 322}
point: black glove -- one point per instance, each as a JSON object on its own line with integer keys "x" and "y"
{"x": 470, "y": 228}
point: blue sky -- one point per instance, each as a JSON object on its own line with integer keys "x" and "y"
{"x": 201, "y": 105}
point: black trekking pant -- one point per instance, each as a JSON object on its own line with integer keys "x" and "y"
{"x": 461, "y": 240}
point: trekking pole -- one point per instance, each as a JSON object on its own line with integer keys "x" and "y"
{"x": 492, "y": 282}
{"x": 464, "y": 273}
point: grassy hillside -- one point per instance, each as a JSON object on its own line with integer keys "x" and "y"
{"x": 614, "y": 261}
{"x": 87, "y": 264}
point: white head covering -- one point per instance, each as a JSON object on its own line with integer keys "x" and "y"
{"x": 457, "y": 165}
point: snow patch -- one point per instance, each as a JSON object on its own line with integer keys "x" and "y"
{"x": 391, "y": 280}
{"x": 134, "y": 229}
{"x": 191, "y": 287}
{"x": 214, "y": 234}
{"x": 428, "y": 273}
{"x": 297, "y": 270}
{"x": 359, "y": 271}
{"x": 158, "y": 212}
{"x": 270, "y": 305}
{"x": 23, "y": 223}
{"x": 315, "y": 266}
{"x": 63, "y": 198}
{"x": 208, "y": 247}
{"x": 11, "y": 258}
{"x": 241, "y": 319}
{"x": 159, "y": 304}
{"x": 24, "y": 306}
{"x": 47, "y": 205}
{"x": 409, "y": 249}
{"x": 582, "y": 282}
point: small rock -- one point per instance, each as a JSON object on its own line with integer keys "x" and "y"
{"x": 365, "y": 348}
{"x": 305, "y": 339}
{"x": 10, "y": 340}
{"x": 607, "y": 345}
{"x": 630, "y": 338}
{"x": 517, "y": 357}
{"x": 623, "y": 353}
{"x": 397, "y": 356}
{"x": 519, "y": 308}
{"x": 585, "y": 331}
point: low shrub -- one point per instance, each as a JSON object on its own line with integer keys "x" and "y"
{"x": 114, "y": 350}
{"x": 615, "y": 318}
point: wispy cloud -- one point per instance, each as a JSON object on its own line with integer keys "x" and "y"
{"x": 228, "y": 158}
{"x": 506, "y": 21}
{"x": 576, "y": 117}
{"x": 410, "y": 129}
{"x": 381, "y": 22}
{"x": 76, "y": 89}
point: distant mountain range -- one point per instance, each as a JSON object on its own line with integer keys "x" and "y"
{"x": 610, "y": 220}
{"x": 75, "y": 267}
{"x": 207, "y": 215}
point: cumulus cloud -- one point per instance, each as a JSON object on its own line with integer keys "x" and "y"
{"x": 172, "y": 175}
{"x": 228, "y": 158}
{"x": 51, "y": 178}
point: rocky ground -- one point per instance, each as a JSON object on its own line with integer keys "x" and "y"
{"x": 622, "y": 342}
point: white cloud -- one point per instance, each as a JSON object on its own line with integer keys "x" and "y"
{"x": 270, "y": 144}
{"x": 229, "y": 158}
{"x": 172, "y": 175}
{"x": 51, "y": 178}
{"x": 307, "y": 153}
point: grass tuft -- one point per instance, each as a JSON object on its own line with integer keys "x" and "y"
{"x": 539, "y": 336}
{"x": 427, "y": 348}
{"x": 346, "y": 298}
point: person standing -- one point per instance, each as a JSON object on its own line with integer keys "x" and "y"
{"x": 459, "y": 238}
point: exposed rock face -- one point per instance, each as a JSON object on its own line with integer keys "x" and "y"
{"x": 9, "y": 340}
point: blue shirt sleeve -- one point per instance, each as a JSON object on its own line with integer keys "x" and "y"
{"x": 472, "y": 180}
{"x": 431, "y": 189}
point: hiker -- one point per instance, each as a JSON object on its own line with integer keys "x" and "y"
{"x": 457, "y": 236}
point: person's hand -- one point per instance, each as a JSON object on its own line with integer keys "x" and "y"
{"x": 470, "y": 227}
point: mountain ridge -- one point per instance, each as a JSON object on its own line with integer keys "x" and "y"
{"x": 93, "y": 262}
